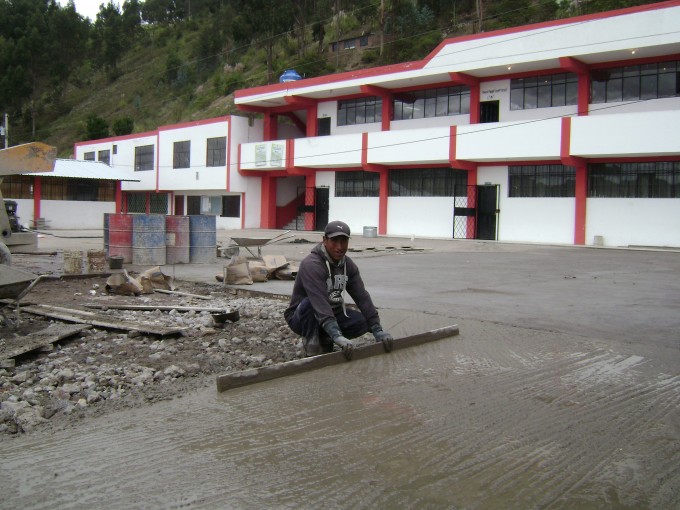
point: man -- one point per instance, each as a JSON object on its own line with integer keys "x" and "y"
{"x": 317, "y": 309}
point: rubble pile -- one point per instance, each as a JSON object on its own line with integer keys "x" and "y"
{"x": 101, "y": 369}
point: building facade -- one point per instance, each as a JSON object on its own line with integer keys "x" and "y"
{"x": 559, "y": 132}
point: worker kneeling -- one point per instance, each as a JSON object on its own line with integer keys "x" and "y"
{"x": 317, "y": 308}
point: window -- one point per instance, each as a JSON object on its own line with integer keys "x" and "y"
{"x": 634, "y": 83}
{"x": 357, "y": 184}
{"x": 438, "y": 102}
{"x": 363, "y": 40}
{"x": 181, "y": 157}
{"x": 231, "y": 206}
{"x": 350, "y": 44}
{"x": 538, "y": 181}
{"x": 144, "y": 158}
{"x": 17, "y": 186}
{"x": 115, "y": 149}
{"x": 136, "y": 202}
{"x": 88, "y": 156}
{"x": 323, "y": 126}
{"x": 104, "y": 156}
{"x": 193, "y": 204}
{"x": 359, "y": 111}
{"x": 426, "y": 182}
{"x": 334, "y": 47}
{"x": 158, "y": 203}
{"x": 216, "y": 151}
{"x": 659, "y": 179}
{"x": 93, "y": 190}
{"x": 544, "y": 91}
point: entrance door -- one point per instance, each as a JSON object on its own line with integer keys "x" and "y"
{"x": 475, "y": 212}
{"x": 322, "y": 206}
{"x": 487, "y": 211}
{"x": 323, "y": 126}
{"x": 179, "y": 205}
{"x": 489, "y": 111}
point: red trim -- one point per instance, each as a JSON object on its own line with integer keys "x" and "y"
{"x": 270, "y": 131}
{"x": 580, "y": 200}
{"x": 243, "y": 210}
{"x": 456, "y": 163}
{"x": 228, "y": 169}
{"x": 158, "y": 164}
{"x": 119, "y": 197}
{"x": 383, "y": 171}
{"x": 312, "y": 121}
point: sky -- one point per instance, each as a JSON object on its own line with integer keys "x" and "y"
{"x": 88, "y": 8}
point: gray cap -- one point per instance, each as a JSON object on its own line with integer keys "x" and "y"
{"x": 335, "y": 229}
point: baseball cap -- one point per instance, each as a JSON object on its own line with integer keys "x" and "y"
{"x": 336, "y": 228}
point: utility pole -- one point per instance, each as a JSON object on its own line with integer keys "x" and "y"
{"x": 4, "y": 130}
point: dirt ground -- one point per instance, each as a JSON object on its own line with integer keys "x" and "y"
{"x": 101, "y": 369}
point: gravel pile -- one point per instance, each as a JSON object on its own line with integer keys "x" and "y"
{"x": 101, "y": 370}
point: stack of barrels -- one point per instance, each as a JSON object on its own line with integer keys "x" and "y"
{"x": 158, "y": 240}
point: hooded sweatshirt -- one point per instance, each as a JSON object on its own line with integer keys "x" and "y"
{"x": 323, "y": 282}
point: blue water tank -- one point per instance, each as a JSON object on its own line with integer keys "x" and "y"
{"x": 289, "y": 75}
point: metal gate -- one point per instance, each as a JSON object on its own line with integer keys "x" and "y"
{"x": 475, "y": 212}
{"x": 313, "y": 213}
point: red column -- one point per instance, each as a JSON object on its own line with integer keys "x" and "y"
{"x": 270, "y": 127}
{"x": 119, "y": 197}
{"x": 580, "y": 204}
{"x": 37, "y": 198}
{"x": 268, "y": 202}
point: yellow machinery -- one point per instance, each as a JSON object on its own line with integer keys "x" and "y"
{"x": 30, "y": 157}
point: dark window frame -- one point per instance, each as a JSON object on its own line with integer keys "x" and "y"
{"x": 541, "y": 181}
{"x": 181, "y": 154}
{"x": 144, "y": 158}
{"x": 653, "y": 80}
{"x": 231, "y": 206}
{"x": 428, "y": 103}
{"x": 216, "y": 151}
{"x": 656, "y": 179}
{"x": 426, "y": 182}
{"x": 357, "y": 184}
{"x": 545, "y": 91}
{"x": 363, "y": 110}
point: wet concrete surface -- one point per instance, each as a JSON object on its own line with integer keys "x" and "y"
{"x": 562, "y": 390}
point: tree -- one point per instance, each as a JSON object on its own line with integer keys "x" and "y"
{"x": 123, "y": 126}
{"x": 109, "y": 36}
{"x": 96, "y": 128}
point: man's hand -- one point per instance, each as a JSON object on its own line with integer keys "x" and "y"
{"x": 346, "y": 345}
{"x": 383, "y": 336}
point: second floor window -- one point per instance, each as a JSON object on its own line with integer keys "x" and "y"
{"x": 144, "y": 158}
{"x": 438, "y": 102}
{"x": 104, "y": 156}
{"x": 88, "y": 156}
{"x": 181, "y": 154}
{"x": 544, "y": 91}
{"x": 633, "y": 83}
{"x": 216, "y": 154}
{"x": 363, "y": 110}
{"x": 426, "y": 182}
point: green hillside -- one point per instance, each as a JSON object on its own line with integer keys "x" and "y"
{"x": 147, "y": 64}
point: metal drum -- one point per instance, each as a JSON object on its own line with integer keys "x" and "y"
{"x": 148, "y": 239}
{"x": 120, "y": 236}
{"x": 203, "y": 239}
{"x": 177, "y": 239}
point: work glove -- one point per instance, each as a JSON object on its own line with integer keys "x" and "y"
{"x": 331, "y": 327}
{"x": 382, "y": 336}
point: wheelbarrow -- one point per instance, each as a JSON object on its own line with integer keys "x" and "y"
{"x": 259, "y": 242}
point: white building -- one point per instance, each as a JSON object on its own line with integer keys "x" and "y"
{"x": 559, "y": 132}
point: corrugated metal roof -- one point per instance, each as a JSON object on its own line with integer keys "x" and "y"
{"x": 78, "y": 169}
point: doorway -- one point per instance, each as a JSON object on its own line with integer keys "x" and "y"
{"x": 475, "y": 212}
{"x": 489, "y": 111}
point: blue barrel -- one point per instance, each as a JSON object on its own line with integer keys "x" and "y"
{"x": 202, "y": 238}
{"x": 148, "y": 239}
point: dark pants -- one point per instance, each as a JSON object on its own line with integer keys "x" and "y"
{"x": 315, "y": 339}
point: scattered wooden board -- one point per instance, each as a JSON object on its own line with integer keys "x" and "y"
{"x": 85, "y": 317}
{"x": 298, "y": 366}
{"x": 163, "y": 308}
{"x": 48, "y": 336}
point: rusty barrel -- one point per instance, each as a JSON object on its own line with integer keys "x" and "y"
{"x": 148, "y": 239}
{"x": 177, "y": 240}
{"x": 120, "y": 236}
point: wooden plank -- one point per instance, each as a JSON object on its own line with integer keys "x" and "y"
{"x": 298, "y": 366}
{"x": 148, "y": 308}
{"x": 48, "y": 336}
{"x": 177, "y": 293}
{"x": 85, "y": 317}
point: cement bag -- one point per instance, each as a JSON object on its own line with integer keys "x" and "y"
{"x": 258, "y": 271}
{"x": 237, "y": 274}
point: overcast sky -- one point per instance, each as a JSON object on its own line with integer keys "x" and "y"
{"x": 89, "y": 8}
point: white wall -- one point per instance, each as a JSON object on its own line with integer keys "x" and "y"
{"x": 63, "y": 214}
{"x": 633, "y": 222}
{"x": 422, "y": 216}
